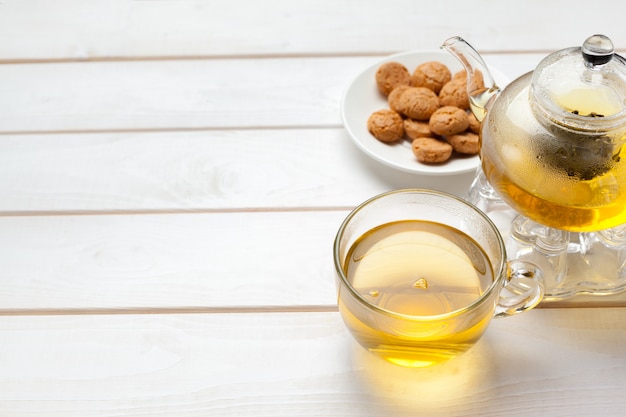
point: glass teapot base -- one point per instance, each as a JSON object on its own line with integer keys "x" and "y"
{"x": 573, "y": 263}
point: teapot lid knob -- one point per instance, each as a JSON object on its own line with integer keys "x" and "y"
{"x": 597, "y": 50}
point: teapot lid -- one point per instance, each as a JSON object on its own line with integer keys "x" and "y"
{"x": 582, "y": 88}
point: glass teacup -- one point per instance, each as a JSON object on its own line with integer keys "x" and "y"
{"x": 421, "y": 273}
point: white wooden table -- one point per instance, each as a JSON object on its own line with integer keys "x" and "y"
{"x": 172, "y": 175}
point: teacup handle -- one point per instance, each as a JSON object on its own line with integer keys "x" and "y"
{"x": 523, "y": 289}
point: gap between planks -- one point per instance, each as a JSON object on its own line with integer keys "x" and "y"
{"x": 311, "y": 55}
{"x": 563, "y": 305}
{"x": 169, "y": 310}
{"x": 170, "y": 129}
{"x": 124, "y": 212}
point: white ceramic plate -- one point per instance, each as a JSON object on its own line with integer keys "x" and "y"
{"x": 362, "y": 98}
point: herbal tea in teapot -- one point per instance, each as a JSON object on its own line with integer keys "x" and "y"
{"x": 571, "y": 181}
{"x": 552, "y": 141}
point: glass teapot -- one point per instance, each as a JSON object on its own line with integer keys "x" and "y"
{"x": 552, "y": 142}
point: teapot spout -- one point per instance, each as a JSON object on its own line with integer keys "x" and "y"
{"x": 481, "y": 87}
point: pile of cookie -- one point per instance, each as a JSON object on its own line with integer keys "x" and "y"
{"x": 430, "y": 107}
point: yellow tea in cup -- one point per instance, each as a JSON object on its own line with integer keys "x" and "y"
{"x": 414, "y": 287}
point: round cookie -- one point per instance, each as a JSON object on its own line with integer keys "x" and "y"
{"x": 465, "y": 142}
{"x": 474, "y": 124}
{"x": 431, "y": 151}
{"x": 390, "y": 75}
{"x": 448, "y": 120}
{"x": 460, "y": 75}
{"x": 477, "y": 83}
{"x": 417, "y": 129}
{"x": 433, "y": 75}
{"x": 394, "y": 97}
{"x": 418, "y": 103}
{"x": 386, "y": 125}
{"x": 454, "y": 93}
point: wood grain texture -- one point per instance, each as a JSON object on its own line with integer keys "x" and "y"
{"x": 75, "y": 30}
{"x": 168, "y": 261}
{"x": 174, "y": 94}
{"x": 190, "y": 171}
{"x": 286, "y": 364}
{"x": 187, "y": 94}
{"x": 172, "y": 176}
{"x": 249, "y": 151}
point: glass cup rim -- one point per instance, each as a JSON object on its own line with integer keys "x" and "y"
{"x": 499, "y": 271}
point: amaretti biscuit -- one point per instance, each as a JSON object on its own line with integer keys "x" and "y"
{"x": 474, "y": 124}
{"x": 448, "y": 120}
{"x": 431, "y": 151}
{"x": 418, "y": 103}
{"x": 478, "y": 82}
{"x": 386, "y": 125}
{"x": 390, "y": 75}
{"x": 417, "y": 129}
{"x": 430, "y": 107}
{"x": 394, "y": 97}
{"x": 464, "y": 142}
{"x": 454, "y": 93}
{"x": 433, "y": 75}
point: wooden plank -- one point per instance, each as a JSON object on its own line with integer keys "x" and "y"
{"x": 196, "y": 94}
{"x": 174, "y": 94}
{"x": 216, "y": 261}
{"x": 201, "y": 261}
{"x": 75, "y": 30}
{"x": 219, "y": 169}
{"x": 560, "y": 362}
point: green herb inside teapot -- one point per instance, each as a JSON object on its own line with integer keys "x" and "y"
{"x": 552, "y": 140}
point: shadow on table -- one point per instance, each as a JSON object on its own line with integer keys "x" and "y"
{"x": 444, "y": 389}
{"x": 534, "y": 359}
